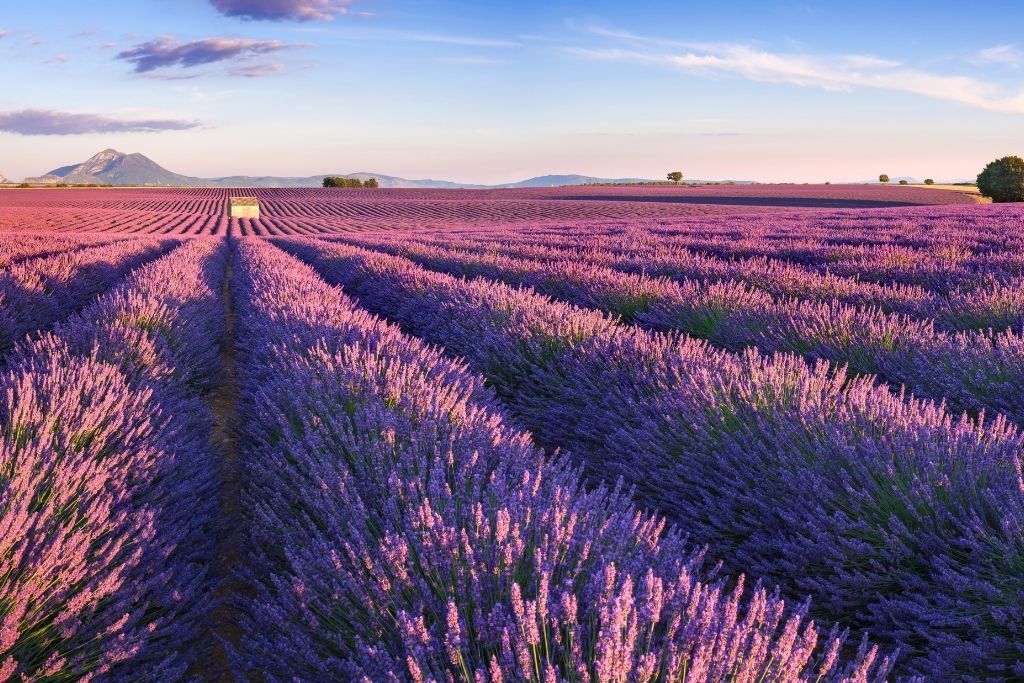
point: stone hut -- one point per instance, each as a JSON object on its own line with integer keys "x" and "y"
{"x": 244, "y": 207}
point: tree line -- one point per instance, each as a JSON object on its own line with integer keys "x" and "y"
{"x": 338, "y": 181}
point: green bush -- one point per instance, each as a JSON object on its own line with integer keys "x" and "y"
{"x": 338, "y": 181}
{"x": 1003, "y": 180}
{"x": 904, "y": 182}
{"x": 929, "y": 181}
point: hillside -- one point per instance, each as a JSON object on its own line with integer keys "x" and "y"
{"x": 111, "y": 167}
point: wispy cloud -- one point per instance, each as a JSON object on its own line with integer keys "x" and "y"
{"x": 477, "y": 60}
{"x": 1010, "y": 55}
{"x": 283, "y": 10}
{"x": 449, "y": 40}
{"x": 48, "y": 122}
{"x": 257, "y": 70}
{"x": 385, "y": 35}
{"x": 829, "y": 72}
{"x": 4, "y": 32}
{"x": 165, "y": 52}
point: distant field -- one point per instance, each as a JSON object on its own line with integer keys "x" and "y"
{"x": 969, "y": 190}
{"x": 313, "y": 211}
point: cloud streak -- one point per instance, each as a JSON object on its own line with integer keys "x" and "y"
{"x": 828, "y": 72}
{"x": 282, "y": 10}
{"x": 473, "y": 60}
{"x": 49, "y": 122}
{"x": 452, "y": 40}
{"x": 384, "y": 35}
{"x": 257, "y": 70}
{"x": 1010, "y": 55}
{"x": 165, "y": 52}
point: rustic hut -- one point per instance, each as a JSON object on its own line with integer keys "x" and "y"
{"x": 244, "y": 207}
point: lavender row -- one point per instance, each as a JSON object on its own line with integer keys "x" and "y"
{"x": 971, "y": 371}
{"x": 933, "y": 242}
{"x": 978, "y": 228}
{"x": 40, "y": 291}
{"x": 775, "y": 277}
{"x": 923, "y": 231}
{"x": 891, "y": 514}
{"x": 400, "y": 530}
{"x": 17, "y": 247}
{"x": 991, "y": 304}
{"x": 813, "y": 250}
{"x": 106, "y": 492}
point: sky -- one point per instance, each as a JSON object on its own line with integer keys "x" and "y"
{"x": 494, "y": 91}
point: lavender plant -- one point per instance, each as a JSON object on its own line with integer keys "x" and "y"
{"x": 891, "y": 513}
{"x": 106, "y": 494}
{"x": 400, "y": 530}
{"x": 40, "y": 291}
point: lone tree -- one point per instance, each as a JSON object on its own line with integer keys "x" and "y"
{"x": 675, "y": 176}
{"x": 904, "y": 182}
{"x": 1003, "y": 180}
{"x": 929, "y": 181}
{"x": 883, "y": 178}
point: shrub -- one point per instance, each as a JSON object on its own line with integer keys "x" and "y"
{"x": 338, "y": 181}
{"x": 1003, "y": 180}
{"x": 904, "y": 182}
{"x": 929, "y": 181}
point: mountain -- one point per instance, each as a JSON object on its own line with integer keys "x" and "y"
{"x": 3, "y": 179}
{"x": 111, "y": 167}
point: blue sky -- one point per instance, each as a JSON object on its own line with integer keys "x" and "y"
{"x": 496, "y": 91}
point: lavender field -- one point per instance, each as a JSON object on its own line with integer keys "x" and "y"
{"x": 588, "y": 434}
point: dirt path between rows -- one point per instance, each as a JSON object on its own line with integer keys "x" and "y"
{"x": 223, "y": 624}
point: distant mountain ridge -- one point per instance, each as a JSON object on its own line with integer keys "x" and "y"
{"x": 557, "y": 180}
{"x": 111, "y": 167}
{"x": 3, "y": 179}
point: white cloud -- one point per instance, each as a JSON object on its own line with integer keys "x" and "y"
{"x": 829, "y": 72}
{"x": 1011, "y": 55}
